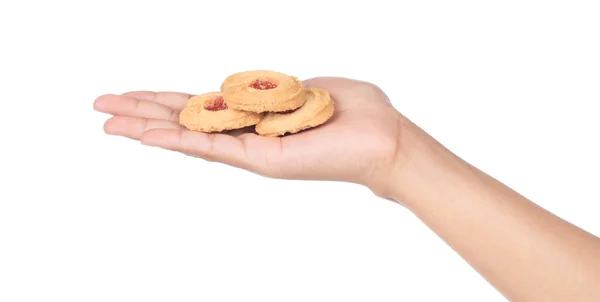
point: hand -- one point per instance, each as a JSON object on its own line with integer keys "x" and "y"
{"x": 503, "y": 235}
{"x": 359, "y": 144}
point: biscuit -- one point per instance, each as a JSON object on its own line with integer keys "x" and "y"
{"x": 263, "y": 91}
{"x": 318, "y": 108}
{"x": 208, "y": 113}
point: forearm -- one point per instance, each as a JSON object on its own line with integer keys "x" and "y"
{"x": 527, "y": 253}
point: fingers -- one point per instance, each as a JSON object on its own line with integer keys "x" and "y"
{"x": 248, "y": 151}
{"x": 134, "y": 127}
{"x": 134, "y": 107}
{"x": 209, "y": 146}
{"x": 174, "y": 100}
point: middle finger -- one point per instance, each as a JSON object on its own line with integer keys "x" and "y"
{"x": 120, "y": 105}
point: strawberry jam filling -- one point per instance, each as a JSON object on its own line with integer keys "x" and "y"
{"x": 216, "y": 105}
{"x": 263, "y": 85}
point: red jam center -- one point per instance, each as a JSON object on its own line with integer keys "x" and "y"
{"x": 216, "y": 105}
{"x": 263, "y": 85}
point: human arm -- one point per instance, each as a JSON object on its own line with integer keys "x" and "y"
{"x": 524, "y": 251}
{"x": 527, "y": 253}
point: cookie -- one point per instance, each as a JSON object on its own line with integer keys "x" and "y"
{"x": 263, "y": 91}
{"x": 209, "y": 113}
{"x": 318, "y": 108}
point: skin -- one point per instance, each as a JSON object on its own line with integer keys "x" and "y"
{"x": 524, "y": 251}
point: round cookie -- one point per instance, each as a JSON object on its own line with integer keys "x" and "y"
{"x": 208, "y": 113}
{"x": 262, "y": 91}
{"x": 316, "y": 111}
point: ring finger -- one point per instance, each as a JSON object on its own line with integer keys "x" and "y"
{"x": 134, "y": 127}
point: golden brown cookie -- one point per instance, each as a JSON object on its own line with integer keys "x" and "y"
{"x": 316, "y": 111}
{"x": 208, "y": 113}
{"x": 262, "y": 91}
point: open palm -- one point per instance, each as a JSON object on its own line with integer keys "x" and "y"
{"x": 358, "y": 142}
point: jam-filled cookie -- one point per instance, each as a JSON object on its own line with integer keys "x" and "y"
{"x": 263, "y": 91}
{"x": 208, "y": 113}
{"x": 318, "y": 108}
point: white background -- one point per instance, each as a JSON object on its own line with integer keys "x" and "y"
{"x": 511, "y": 86}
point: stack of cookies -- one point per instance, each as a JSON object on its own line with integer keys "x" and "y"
{"x": 274, "y": 103}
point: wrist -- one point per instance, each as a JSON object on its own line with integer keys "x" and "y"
{"x": 419, "y": 159}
